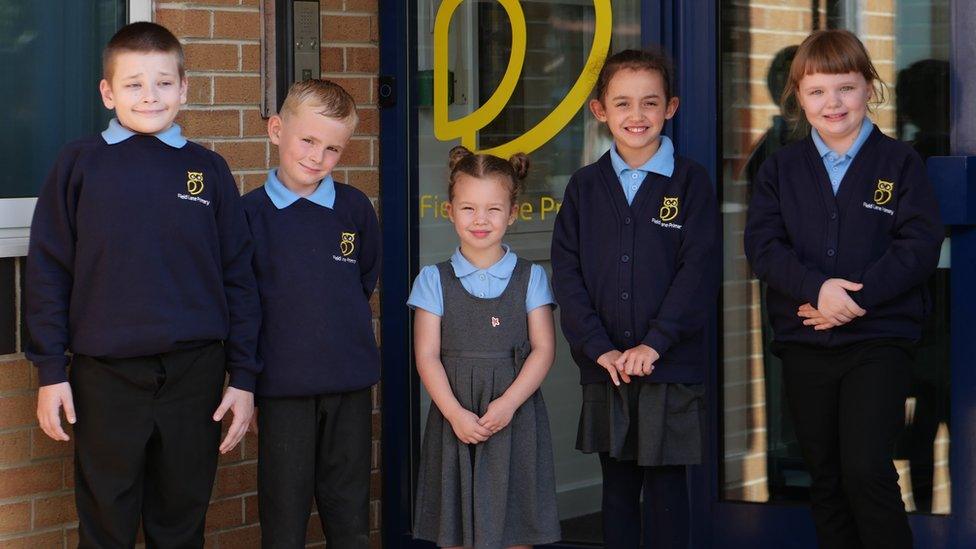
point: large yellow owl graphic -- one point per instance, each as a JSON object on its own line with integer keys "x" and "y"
{"x": 669, "y": 208}
{"x": 882, "y": 195}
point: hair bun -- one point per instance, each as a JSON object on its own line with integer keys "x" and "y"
{"x": 520, "y": 163}
{"x": 456, "y": 155}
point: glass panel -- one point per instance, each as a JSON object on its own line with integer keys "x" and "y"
{"x": 55, "y": 50}
{"x": 559, "y": 36}
{"x": 909, "y": 43}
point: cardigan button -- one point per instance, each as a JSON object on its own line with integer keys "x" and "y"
{"x": 624, "y": 295}
{"x": 626, "y": 333}
{"x": 625, "y": 258}
{"x": 833, "y": 215}
{"x": 626, "y": 221}
{"x": 830, "y": 252}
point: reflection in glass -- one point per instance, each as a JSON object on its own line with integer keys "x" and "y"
{"x": 46, "y": 108}
{"x": 560, "y": 35}
{"x": 908, "y": 41}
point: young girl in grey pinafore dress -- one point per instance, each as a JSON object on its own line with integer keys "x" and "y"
{"x": 484, "y": 481}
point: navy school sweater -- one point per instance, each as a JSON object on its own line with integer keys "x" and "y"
{"x": 136, "y": 249}
{"x": 642, "y": 273}
{"x": 882, "y": 230}
{"x": 316, "y": 269}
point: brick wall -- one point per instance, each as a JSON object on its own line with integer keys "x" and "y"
{"x": 223, "y": 56}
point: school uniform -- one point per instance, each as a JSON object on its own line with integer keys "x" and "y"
{"x": 316, "y": 260}
{"x": 501, "y": 492}
{"x": 869, "y": 216}
{"x": 635, "y": 260}
{"x": 140, "y": 265}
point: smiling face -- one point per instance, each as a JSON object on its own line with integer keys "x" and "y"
{"x": 481, "y": 211}
{"x": 835, "y": 105}
{"x": 146, "y": 90}
{"x": 635, "y": 109}
{"x": 309, "y": 146}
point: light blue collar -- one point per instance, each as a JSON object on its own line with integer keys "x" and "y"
{"x": 866, "y": 127}
{"x": 502, "y": 269}
{"x": 661, "y": 163}
{"x": 117, "y": 133}
{"x": 282, "y": 197}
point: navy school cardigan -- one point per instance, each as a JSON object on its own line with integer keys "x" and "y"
{"x": 139, "y": 248}
{"x": 316, "y": 269}
{"x": 641, "y": 273}
{"x": 882, "y": 229}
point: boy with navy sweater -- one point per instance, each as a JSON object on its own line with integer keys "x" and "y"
{"x": 317, "y": 262}
{"x": 140, "y": 266}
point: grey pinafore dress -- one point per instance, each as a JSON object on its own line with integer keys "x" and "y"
{"x": 500, "y": 492}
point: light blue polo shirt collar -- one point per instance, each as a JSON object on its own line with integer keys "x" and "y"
{"x": 282, "y": 197}
{"x": 661, "y": 163}
{"x": 866, "y": 127}
{"x": 117, "y": 133}
{"x": 501, "y": 269}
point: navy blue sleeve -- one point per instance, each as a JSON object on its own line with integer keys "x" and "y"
{"x": 50, "y": 272}
{"x": 916, "y": 240}
{"x": 580, "y": 322}
{"x": 768, "y": 246}
{"x": 240, "y": 286}
{"x": 691, "y": 295}
{"x": 369, "y": 253}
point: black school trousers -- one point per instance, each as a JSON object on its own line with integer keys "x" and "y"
{"x": 315, "y": 447}
{"x": 146, "y": 446}
{"x": 848, "y": 407}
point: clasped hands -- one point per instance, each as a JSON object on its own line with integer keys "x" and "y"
{"x": 834, "y": 306}
{"x": 471, "y": 429}
{"x": 636, "y": 361}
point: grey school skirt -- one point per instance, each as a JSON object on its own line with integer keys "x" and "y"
{"x": 652, "y": 423}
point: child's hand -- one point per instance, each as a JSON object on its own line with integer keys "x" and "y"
{"x": 835, "y": 305}
{"x": 467, "y": 429}
{"x": 812, "y": 317}
{"x": 638, "y": 361}
{"x": 50, "y": 399}
{"x": 241, "y": 404}
{"x": 498, "y": 415}
{"x": 607, "y": 360}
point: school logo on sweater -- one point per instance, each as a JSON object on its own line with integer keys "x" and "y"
{"x": 495, "y": 322}
{"x": 668, "y": 211}
{"x": 882, "y": 195}
{"x": 669, "y": 208}
{"x": 194, "y": 186}
{"x": 194, "y": 183}
{"x": 347, "y": 243}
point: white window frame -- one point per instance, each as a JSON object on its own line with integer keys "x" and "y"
{"x": 16, "y": 213}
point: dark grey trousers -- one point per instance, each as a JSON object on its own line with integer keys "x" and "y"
{"x": 314, "y": 447}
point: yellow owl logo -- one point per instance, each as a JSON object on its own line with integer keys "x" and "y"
{"x": 669, "y": 208}
{"x": 194, "y": 183}
{"x": 883, "y": 193}
{"x": 347, "y": 243}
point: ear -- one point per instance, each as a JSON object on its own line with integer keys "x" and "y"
{"x": 274, "y": 129}
{"x": 596, "y": 107}
{"x": 449, "y": 208}
{"x": 513, "y": 215}
{"x": 672, "y": 108}
{"x": 184, "y": 85}
{"x": 105, "y": 89}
